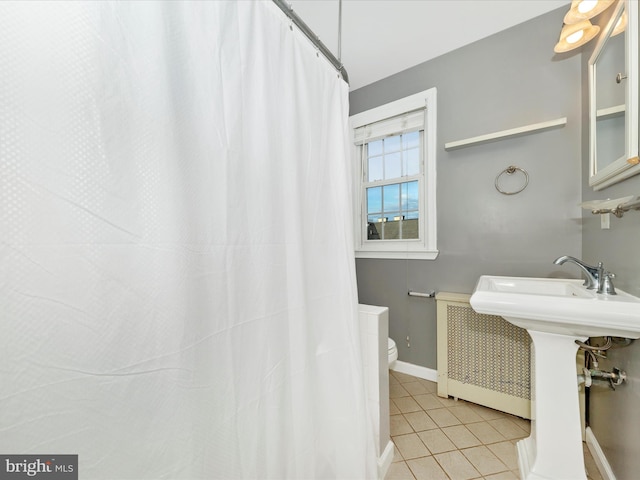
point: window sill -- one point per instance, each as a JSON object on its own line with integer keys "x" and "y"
{"x": 404, "y": 255}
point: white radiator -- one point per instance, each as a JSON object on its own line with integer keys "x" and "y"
{"x": 482, "y": 358}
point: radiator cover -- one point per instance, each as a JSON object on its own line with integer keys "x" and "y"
{"x": 482, "y": 358}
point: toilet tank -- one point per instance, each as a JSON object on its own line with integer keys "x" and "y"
{"x": 374, "y": 334}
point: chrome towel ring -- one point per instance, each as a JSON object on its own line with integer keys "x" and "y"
{"x": 510, "y": 170}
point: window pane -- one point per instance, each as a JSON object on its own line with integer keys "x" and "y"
{"x": 373, "y": 230}
{"x": 410, "y": 197}
{"x": 392, "y": 229}
{"x": 374, "y": 201}
{"x": 392, "y": 165}
{"x": 410, "y": 140}
{"x": 374, "y": 148}
{"x": 404, "y": 196}
{"x": 391, "y": 196}
{"x": 392, "y": 144}
{"x": 374, "y": 169}
{"x": 410, "y": 228}
{"x": 411, "y": 160}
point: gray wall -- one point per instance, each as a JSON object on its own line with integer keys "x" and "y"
{"x": 508, "y": 80}
{"x": 614, "y": 416}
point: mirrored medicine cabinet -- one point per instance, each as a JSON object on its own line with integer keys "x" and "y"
{"x": 613, "y": 99}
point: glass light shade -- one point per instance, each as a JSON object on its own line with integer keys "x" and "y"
{"x": 586, "y": 9}
{"x": 585, "y": 6}
{"x": 575, "y": 35}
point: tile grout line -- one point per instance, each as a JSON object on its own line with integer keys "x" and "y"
{"x": 492, "y": 429}
{"x": 444, "y": 406}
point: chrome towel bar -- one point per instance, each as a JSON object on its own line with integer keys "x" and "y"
{"x": 431, "y": 294}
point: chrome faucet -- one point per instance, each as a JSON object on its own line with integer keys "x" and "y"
{"x": 592, "y": 273}
{"x": 597, "y": 278}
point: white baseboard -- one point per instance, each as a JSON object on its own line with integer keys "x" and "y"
{"x": 598, "y": 455}
{"x": 415, "y": 370}
{"x": 385, "y": 460}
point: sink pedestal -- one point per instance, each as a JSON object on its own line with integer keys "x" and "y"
{"x": 554, "y": 448}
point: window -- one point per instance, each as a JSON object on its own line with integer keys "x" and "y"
{"x": 396, "y": 171}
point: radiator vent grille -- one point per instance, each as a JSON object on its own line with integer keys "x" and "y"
{"x": 487, "y": 351}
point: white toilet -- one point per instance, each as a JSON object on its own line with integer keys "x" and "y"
{"x": 393, "y": 352}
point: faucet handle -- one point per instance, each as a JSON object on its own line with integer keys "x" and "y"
{"x": 607, "y": 284}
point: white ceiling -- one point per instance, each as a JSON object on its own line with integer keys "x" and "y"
{"x": 383, "y": 37}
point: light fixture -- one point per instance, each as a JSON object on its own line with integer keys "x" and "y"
{"x": 621, "y": 24}
{"x": 586, "y": 9}
{"x": 575, "y": 35}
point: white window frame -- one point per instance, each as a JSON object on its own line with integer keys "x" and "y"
{"x": 424, "y": 248}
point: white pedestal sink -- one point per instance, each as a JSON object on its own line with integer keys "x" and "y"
{"x": 555, "y": 312}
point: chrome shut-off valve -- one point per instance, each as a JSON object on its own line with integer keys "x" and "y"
{"x": 616, "y": 377}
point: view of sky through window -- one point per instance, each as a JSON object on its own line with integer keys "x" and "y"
{"x": 388, "y": 159}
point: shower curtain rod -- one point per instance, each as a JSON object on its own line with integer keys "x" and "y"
{"x": 288, "y": 11}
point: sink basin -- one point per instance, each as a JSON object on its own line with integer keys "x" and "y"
{"x": 556, "y": 305}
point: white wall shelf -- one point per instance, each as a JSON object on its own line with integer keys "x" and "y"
{"x": 615, "y": 111}
{"x": 513, "y": 132}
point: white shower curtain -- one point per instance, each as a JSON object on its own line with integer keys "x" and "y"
{"x": 177, "y": 283}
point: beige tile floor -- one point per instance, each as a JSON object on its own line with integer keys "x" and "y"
{"x": 441, "y": 438}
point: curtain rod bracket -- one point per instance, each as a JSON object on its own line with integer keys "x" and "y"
{"x": 313, "y": 38}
